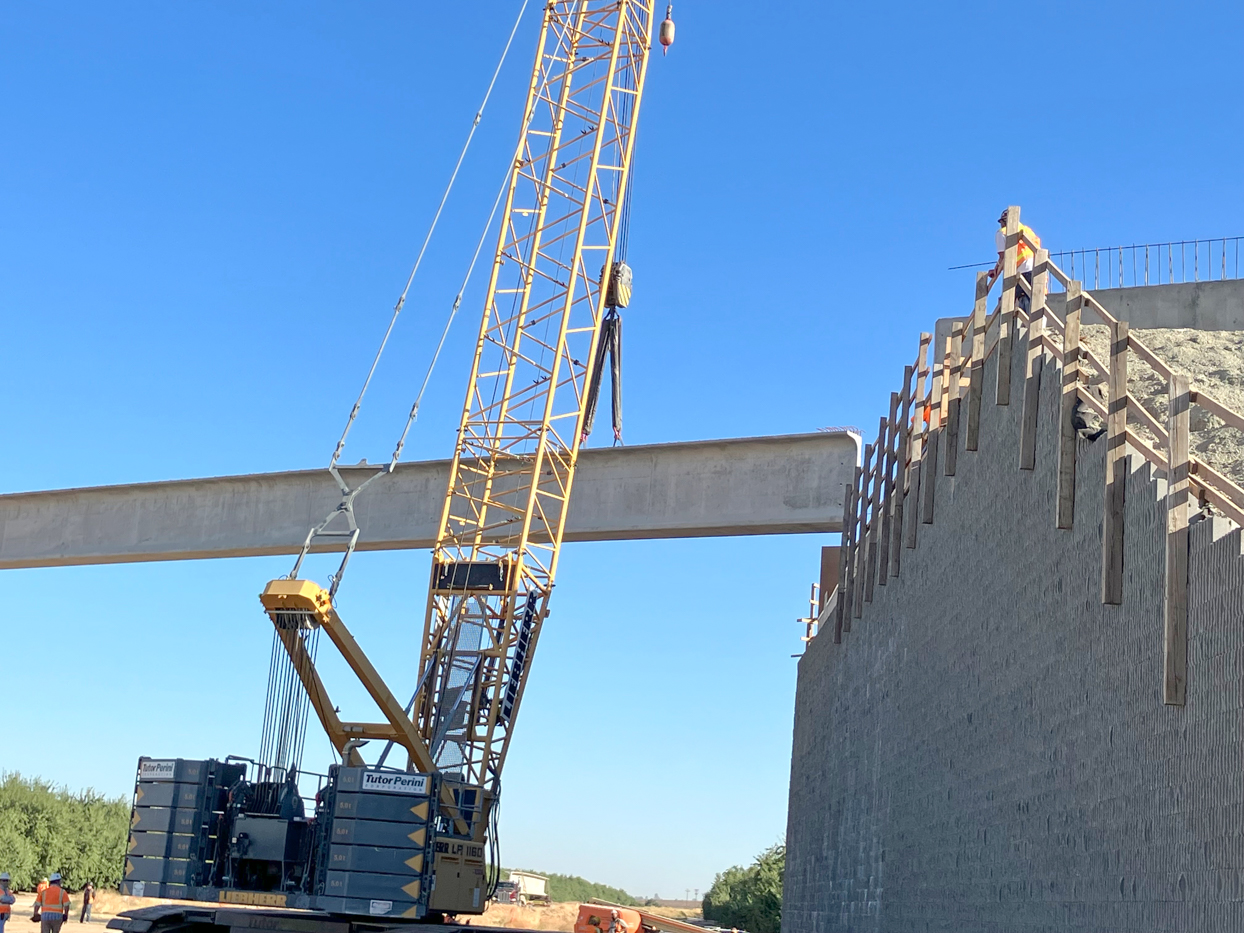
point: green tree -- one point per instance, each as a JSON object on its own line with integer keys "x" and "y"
{"x": 45, "y": 829}
{"x": 749, "y": 898}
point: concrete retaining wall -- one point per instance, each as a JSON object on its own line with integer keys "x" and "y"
{"x": 1201, "y": 305}
{"x": 988, "y": 750}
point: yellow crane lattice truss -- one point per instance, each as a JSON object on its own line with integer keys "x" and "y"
{"x": 510, "y": 481}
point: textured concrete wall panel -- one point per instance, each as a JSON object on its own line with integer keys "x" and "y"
{"x": 988, "y": 750}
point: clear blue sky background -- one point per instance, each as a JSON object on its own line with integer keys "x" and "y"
{"x": 207, "y": 211}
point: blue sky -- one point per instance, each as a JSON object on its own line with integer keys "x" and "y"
{"x": 207, "y": 211}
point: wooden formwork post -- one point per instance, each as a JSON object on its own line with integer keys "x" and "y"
{"x": 1116, "y": 469}
{"x": 887, "y": 490}
{"x": 953, "y": 367}
{"x": 1067, "y": 412}
{"x": 1006, "y": 316}
{"x": 831, "y": 558}
{"x": 844, "y": 560}
{"x": 903, "y": 475}
{"x": 861, "y": 533}
{"x": 846, "y": 570}
{"x": 928, "y": 469}
{"x": 1035, "y": 363}
{"x": 1175, "y": 634}
{"x": 976, "y": 379}
{"x": 919, "y": 436}
{"x": 874, "y": 512}
{"x": 1040, "y": 284}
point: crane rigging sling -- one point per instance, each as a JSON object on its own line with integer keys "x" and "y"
{"x": 610, "y": 345}
{"x": 617, "y": 295}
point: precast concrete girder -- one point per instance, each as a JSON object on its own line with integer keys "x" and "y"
{"x": 786, "y": 484}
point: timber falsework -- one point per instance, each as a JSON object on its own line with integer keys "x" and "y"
{"x": 941, "y": 397}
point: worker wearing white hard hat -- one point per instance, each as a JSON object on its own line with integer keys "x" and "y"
{"x": 6, "y": 899}
{"x": 1028, "y": 241}
{"x": 53, "y": 905}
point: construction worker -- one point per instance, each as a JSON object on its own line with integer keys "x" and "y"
{"x": 1023, "y": 258}
{"x": 88, "y": 895}
{"x": 39, "y": 889}
{"x": 6, "y": 900}
{"x": 53, "y": 905}
{"x": 616, "y": 923}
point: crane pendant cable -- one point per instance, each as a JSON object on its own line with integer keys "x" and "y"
{"x": 286, "y": 705}
{"x": 340, "y": 523}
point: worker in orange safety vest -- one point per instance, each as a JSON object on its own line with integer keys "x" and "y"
{"x": 1023, "y": 258}
{"x": 6, "y": 900}
{"x": 53, "y": 905}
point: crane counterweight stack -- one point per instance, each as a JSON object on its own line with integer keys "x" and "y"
{"x": 410, "y": 843}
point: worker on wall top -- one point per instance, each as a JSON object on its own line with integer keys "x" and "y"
{"x": 1023, "y": 258}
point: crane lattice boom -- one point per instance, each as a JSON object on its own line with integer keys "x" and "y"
{"x": 514, "y": 465}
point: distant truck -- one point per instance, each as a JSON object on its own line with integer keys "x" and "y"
{"x": 506, "y": 893}
{"x": 531, "y": 887}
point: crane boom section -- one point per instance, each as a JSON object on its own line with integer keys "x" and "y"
{"x": 512, "y": 471}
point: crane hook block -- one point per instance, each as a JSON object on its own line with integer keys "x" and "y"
{"x": 666, "y": 35}
{"x": 618, "y": 290}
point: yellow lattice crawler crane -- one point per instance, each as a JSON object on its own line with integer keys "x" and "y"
{"x": 409, "y": 842}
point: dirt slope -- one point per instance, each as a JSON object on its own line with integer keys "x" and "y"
{"x": 1214, "y": 360}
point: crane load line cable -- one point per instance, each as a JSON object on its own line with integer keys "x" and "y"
{"x": 401, "y": 301}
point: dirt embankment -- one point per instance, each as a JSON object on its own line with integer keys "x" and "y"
{"x": 1213, "y": 360}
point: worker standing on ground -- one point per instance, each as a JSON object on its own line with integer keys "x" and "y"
{"x": 53, "y": 904}
{"x": 6, "y": 900}
{"x": 616, "y": 923}
{"x": 88, "y": 896}
{"x": 39, "y": 889}
{"x": 1023, "y": 258}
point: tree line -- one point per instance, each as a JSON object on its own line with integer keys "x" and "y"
{"x": 45, "y": 829}
{"x": 749, "y": 898}
{"x": 573, "y": 888}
